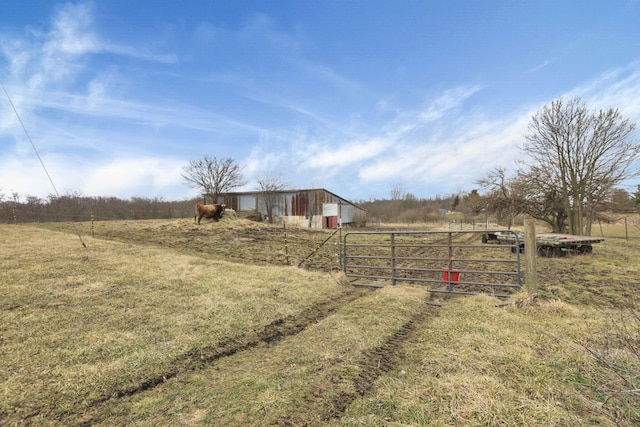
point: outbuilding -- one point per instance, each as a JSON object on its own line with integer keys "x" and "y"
{"x": 314, "y": 208}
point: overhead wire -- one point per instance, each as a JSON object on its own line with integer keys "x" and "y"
{"x": 24, "y": 128}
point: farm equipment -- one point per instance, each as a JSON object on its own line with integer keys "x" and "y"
{"x": 548, "y": 244}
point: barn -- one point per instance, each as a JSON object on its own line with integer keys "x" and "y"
{"x": 315, "y": 208}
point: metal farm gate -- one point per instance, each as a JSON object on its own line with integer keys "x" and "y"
{"x": 457, "y": 262}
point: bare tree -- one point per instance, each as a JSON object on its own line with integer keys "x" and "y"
{"x": 575, "y": 158}
{"x": 501, "y": 195}
{"x": 397, "y": 191}
{"x": 270, "y": 184}
{"x": 213, "y": 176}
{"x": 578, "y": 156}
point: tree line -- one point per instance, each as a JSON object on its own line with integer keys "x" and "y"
{"x": 16, "y": 208}
{"x": 402, "y": 208}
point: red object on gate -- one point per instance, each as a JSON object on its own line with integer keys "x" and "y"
{"x": 455, "y": 275}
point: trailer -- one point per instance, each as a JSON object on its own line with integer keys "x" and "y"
{"x": 547, "y": 244}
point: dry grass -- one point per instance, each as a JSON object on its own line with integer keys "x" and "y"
{"x": 79, "y": 327}
{"x": 482, "y": 365}
{"x": 150, "y": 328}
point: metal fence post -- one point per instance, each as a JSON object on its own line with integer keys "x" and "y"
{"x": 344, "y": 254}
{"x": 393, "y": 259}
{"x": 450, "y": 262}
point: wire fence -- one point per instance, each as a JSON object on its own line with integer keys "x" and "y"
{"x": 25, "y": 212}
{"x": 622, "y": 226}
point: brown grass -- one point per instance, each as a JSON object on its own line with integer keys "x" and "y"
{"x": 153, "y": 325}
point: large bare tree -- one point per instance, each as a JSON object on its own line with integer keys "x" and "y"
{"x": 578, "y": 156}
{"x": 574, "y": 159}
{"x": 213, "y": 176}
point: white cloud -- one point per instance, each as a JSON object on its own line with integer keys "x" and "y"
{"x": 136, "y": 177}
{"x": 261, "y": 162}
{"x": 124, "y": 178}
{"x": 327, "y": 157}
{"x": 50, "y": 58}
{"x": 456, "y": 155}
{"x": 617, "y": 88}
{"x": 539, "y": 67}
{"x": 394, "y": 141}
{"x": 71, "y": 33}
{"x": 446, "y": 102}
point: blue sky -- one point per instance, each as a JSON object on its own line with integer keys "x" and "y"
{"x": 358, "y": 97}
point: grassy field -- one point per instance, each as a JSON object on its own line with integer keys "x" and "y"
{"x": 168, "y": 323}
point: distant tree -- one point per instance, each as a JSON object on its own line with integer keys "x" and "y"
{"x": 575, "y": 157}
{"x": 502, "y": 195}
{"x": 213, "y": 176}
{"x": 455, "y": 203}
{"x": 269, "y": 185}
{"x": 620, "y": 201}
{"x": 636, "y": 198}
{"x": 67, "y": 207}
{"x": 473, "y": 203}
{"x": 397, "y": 192}
{"x": 33, "y": 200}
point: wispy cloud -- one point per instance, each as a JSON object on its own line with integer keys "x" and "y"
{"x": 616, "y": 88}
{"x": 50, "y": 57}
{"x": 327, "y": 157}
{"x": 384, "y": 139}
{"x": 539, "y": 66}
{"x": 446, "y": 102}
{"x": 72, "y": 34}
{"x": 468, "y": 152}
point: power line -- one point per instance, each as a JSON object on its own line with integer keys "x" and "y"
{"x": 24, "y": 128}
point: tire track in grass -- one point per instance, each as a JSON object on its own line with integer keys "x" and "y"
{"x": 202, "y": 357}
{"x": 376, "y": 362}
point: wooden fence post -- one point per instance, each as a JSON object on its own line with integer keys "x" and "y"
{"x": 530, "y": 253}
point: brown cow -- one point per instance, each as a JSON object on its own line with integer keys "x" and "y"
{"x": 209, "y": 211}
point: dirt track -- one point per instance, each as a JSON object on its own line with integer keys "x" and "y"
{"x": 376, "y": 362}
{"x": 204, "y": 357}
